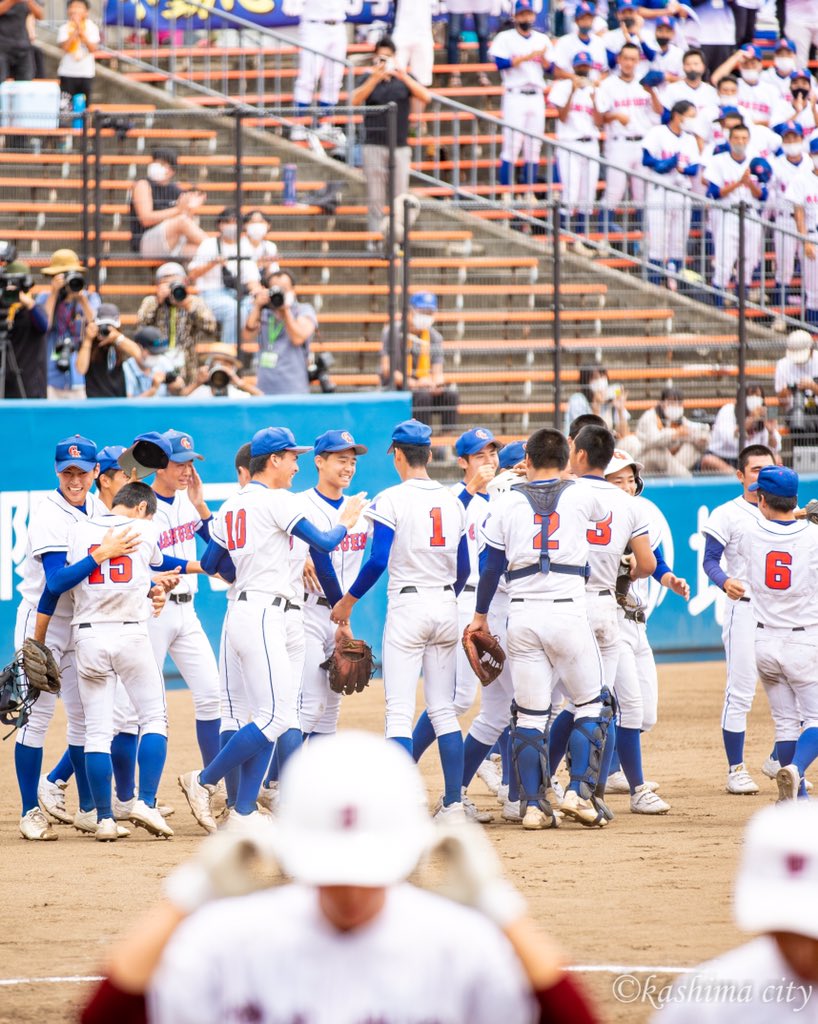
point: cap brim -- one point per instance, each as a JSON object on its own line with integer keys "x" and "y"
{"x": 186, "y": 457}
{"x": 144, "y": 457}
{"x": 359, "y": 449}
{"x": 765, "y": 905}
{"x": 82, "y": 464}
{"x": 299, "y": 449}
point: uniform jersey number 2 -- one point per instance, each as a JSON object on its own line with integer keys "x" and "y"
{"x": 553, "y": 526}
{"x": 120, "y": 570}
{"x": 236, "y": 525}
{"x": 778, "y": 575}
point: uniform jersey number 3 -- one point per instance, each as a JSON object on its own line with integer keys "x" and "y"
{"x": 235, "y": 524}
{"x": 120, "y": 570}
{"x": 601, "y": 532}
{"x": 778, "y": 574}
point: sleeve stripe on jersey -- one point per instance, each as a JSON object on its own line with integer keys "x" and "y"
{"x": 378, "y": 517}
{"x": 294, "y": 521}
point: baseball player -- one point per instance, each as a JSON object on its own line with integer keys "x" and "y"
{"x": 322, "y": 37}
{"x": 520, "y": 55}
{"x": 569, "y": 45}
{"x": 250, "y": 546}
{"x": 695, "y": 90}
{"x": 671, "y": 154}
{"x": 726, "y": 568}
{"x": 756, "y": 99}
{"x": 802, "y": 192}
{"x": 111, "y": 608}
{"x": 419, "y": 534}
{"x": 779, "y": 76}
{"x": 414, "y": 42}
{"x": 537, "y": 534}
{"x": 792, "y": 162}
{"x": 662, "y": 52}
{"x": 781, "y": 561}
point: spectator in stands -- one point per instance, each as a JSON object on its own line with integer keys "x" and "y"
{"x": 796, "y": 376}
{"x": 36, "y": 53}
{"x": 322, "y": 28}
{"x": 457, "y": 11}
{"x": 155, "y": 372}
{"x": 163, "y": 215}
{"x": 385, "y": 84}
{"x": 756, "y": 99}
{"x": 283, "y": 328}
{"x": 16, "y": 58}
{"x": 219, "y": 378}
{"x": 103, "y": 353}
{"x": 423, "y": 372}
{"x": 713, "y": 30}
{"x": 68, "y": 307}
{"x": 255, "y": 228}
{"x": 596, "y": 395}
{"x": 78, "y": 38}
{"x": 672, "y": 445}
{"x": 216, "y": 269}
{"x": 780, "y": 74}
{"x": 759, "y": 428}
{"x": 184, "y": 319}
{"x": 27, "y": 324}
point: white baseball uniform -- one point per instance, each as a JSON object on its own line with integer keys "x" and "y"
{"x": 466, "y": 681}
{"x": 50, "y": 529}
{"x": 296, "y": 967}
{"x": 669, "y": 62}
{"x": 786, "y": 245}
{"x": 785, "y": 111}
{"x": 322, "y": 28}
{"x": 781, "y": 562}
{"x": 724, "y": 170}
{"x": 802, "y": 28}
{"x": 569, "y": 45}
{"x": 703, "y": 97}
{"x": 111, "y": 610}
{"x": 320, "y": 705}
{"x": 727, "y": 524}
{"x": 756, "y": 102}
{"x": 523, "y": 106}
{"x": 414, "y": 42}
{"x": 668, "y": 213}
{"x": 780, "y": 84}
{"x": 803, "y": 191}
{"x": 548, "y": 631}
{"x": 178, "y": 631}
{"x": 420, "y": 635}
{"x": 623, "y": 142}
{"x": 579, "y": 176}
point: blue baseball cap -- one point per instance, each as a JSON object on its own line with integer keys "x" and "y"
{"x": 108, "y": 457}
{"x": 750, "y": 52}
{"x": 337, "y": 441}
{"x": 473, "y": 441}
{"x": 729, "y": 112}
{"x": 625, "y": 5}
{"x": 777, "y": 480}
{"x": 666, "y": 21}
{"x": 652, "y": 79}
{"x": 583, "y": 57}
{"x": 523, "y": 5}
{"x": 148, "y": 453}
{"x": 424, "y": 300}
{"x": 511, "y": 454}
{"x": 411, "y": 432}
{"x": 785, "y": 44}
{"x": 801, "y": 73}
{"x": 789, "y": 127}
{"x": 270, "y": 440}
{"x": 75, "y": 451}
{"x": 181, "y": 446}
{"x": 584, "y": 8}
{"x": 813, "y": 145}
{"x": 760, "y": 169}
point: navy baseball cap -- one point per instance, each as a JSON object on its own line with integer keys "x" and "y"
{"x": 777, "y": 480}
{"x": 148, "y": 453}
{"x": 584, "y": 8}
{"x": 511, "y": 454}
{"x": 181, "y": 446}
{"x": 750, "y": 52}
{"x": 75, "y": 451}
{"x": 583, "y": 57}
{"x": 785, "y": 44}
{"x": 424, "y": 300}
{"x": 789, "y": 127}
{"x": 523, "y": 5}
{"x": 271, "y": 440}
{"x": 666, "y": 21}
{"x": 337, "y": 441}
{"x": 108, "y": 457}
{"x": 474, "y": 441}
{"x": 411, "y": 432}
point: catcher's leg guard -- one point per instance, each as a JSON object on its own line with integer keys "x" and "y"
{"x": 529, "y": 758}
{"x": 586, "y": 747}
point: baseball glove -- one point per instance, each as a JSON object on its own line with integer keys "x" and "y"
{"x": 811, "y": 511}
{"x": 42, "y": 671}
{"x": 350, "y": 666}
{"x": 623, "y": 583}
{"x": 485, "y": 654}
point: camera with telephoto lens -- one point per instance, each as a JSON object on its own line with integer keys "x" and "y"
{"x": 62, "y": 354}
{"x": 277, "y": 296}
{"x": 178, "y": 293}
{"x": 171, "y": 376}
{"x": 318, "y": 369}
{"x": 74, "y": 282}
{"x": 11, "y": 285}
{"x": 219, "y": 377}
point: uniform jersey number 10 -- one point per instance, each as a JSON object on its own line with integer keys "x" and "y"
{"x": 235, "y": 523}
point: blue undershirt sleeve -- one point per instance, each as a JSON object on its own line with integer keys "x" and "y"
{"x": 495, "y": 566}
{"x": 325, "y": 571}
{"x": 48, "y": 602}
{"x": 375, "y": 565}
{"x": 323, "y": 541}
{"x": 713, "y": 551}
{"x": 463, "y": 564}
{"x": 61, "y": 579}
{"x": 661, "y": 565}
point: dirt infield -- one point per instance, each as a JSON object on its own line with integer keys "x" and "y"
{"x": 644, "y": 892}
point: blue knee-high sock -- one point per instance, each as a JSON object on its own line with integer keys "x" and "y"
{"x": 207, "y": 736}
{"x": 506, "y": 172}
{"x": 245, "y": 744}
{"x": 99, "y": 771}
{"x": 286, "y": 745}
{"x": 786, "y": 751}
{"x": 806, "y": 750}
{"x": 733, "y": 746}
{"x": 607, "y": 757}
{"x": 505, "y": 754}
{"x": 528, "y": 765}
{"x": 403, "y": 741}
{"x": 28, "y": 763}
{"x": 558, "y": 739}
{"x": 774, "y": 754}
{"x": 86, "y": 799}
{"x": 616, "y": 764}
{"x": 474, "y": 753}
{"x": 123, "y": 758}
{"x": 273, "y": 768}
{"x": 252, "y": 775}
{"x": 153, "y": 749}
{"x": 63, "y": 769}
{"x": 451, "y": 761}
{"x": 531, "y": 171}
{"x": 423, "y": 736}
{"x": 231, "y": 779}
{"x": 495, "y": 749}
{"x": 629, "y": 745}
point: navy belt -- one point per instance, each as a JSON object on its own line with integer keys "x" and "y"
{"x": 525, "y": 92}
{"x": 180, "y": 598}
{"x": 87, "y": 625}
{"x": 414, "y": 590}
{"x": 556, "y": 600}
{"x": 276, "y": 602}
{"x": 635, "y": 615}
{"x": 468, "y": 589}
{"x": 322, "y": 602}
{"x": 795, "y": 629}
{"x": 747, "y": 599}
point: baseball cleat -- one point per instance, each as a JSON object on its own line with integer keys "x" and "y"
{"x": 51, "y": 797}
{"x": 86, "y": 821}
{"x": 235, "y": 822}
{"x": 739, "y": 781}
{"x": 451, "y": 812}
{"x": 122, "y": 808}
{"x": 473, "y": 813}
{"x": 150, "y": 819}
{"x": 511, "y": 811}
{"x": 490, "y": 774}
{"x": 34, "y": 825}
{"x": 788, "y": 781}
{"x": 770, "y": 768}
{"x": 581, "y": 810}
{"x": 645, "y": 801}
{"x": 502, "y": 793}
{"x": 166, "y": 810}
{"x": 267, "y": 799}
{"x": 534, "y": 819}
{"x": 198, "y": 796}
{"x": 107, "y": 831}
{"x": 617, "y": 783}
{"x": 558, "y": 792}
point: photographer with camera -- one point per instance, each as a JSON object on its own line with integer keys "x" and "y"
{"x": 22, "y": 328}
{"x": 796, "y": 384}
{"x": 68, "y": 307}
{"x": 216, "y": 269}
{"x": 283, "y": 328}
{"x": 103, "y": 353}
{"x": 184, "y": 319}
{"x": 219, "y": 377}
{"x": 760, "y": 427}
{"x": 154, "y": 372}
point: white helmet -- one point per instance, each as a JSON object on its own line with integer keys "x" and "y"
{"x": 620, "y": 460}
{"x": 352, "y": 812}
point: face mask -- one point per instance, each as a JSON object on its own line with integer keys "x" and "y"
{"x": 750, "y": 76}
{"x": 423, "y": 321}
{"x": 600, "y": 386}
{"x": 663, "y": 41}
{"x": 629, "y": 23}
{"x": 584, "y": 33}
{"x": 256, "y": 232}
{"x": 738, "y": 151}
{"x": 792, "y": 148}
{"x": 753, "y": 402}
{"x": 525, "y": 26}
{"x": 800, "y": 94}
{"x": 157, "y": 172}
{"x": 673, "y": 413}
{"x": 728, "y": 101}
{"x": 784, "y": 65}
{"x": 689, "y": 126}
{"x": 229, "y": 232}
{"x": 693, "y": 76}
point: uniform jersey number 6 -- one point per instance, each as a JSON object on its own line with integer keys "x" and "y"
{"x": 120, "y": 570}
{"x": 235, "y": 524}
{"x": 553, "y": 526}
{"x": 778, "y": 575}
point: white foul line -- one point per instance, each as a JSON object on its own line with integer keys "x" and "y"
{"x": 578, "y": 968}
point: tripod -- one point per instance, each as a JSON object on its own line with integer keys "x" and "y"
{"x": 8, "y": 362}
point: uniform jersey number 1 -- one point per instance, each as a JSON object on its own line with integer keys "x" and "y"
{"x": 120, "y": 570}
{"x": 553, "y": 526}
{"x": 235, "y": 524}
{"x": 778, "y": 575}
{"x": 437, "y": 539}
